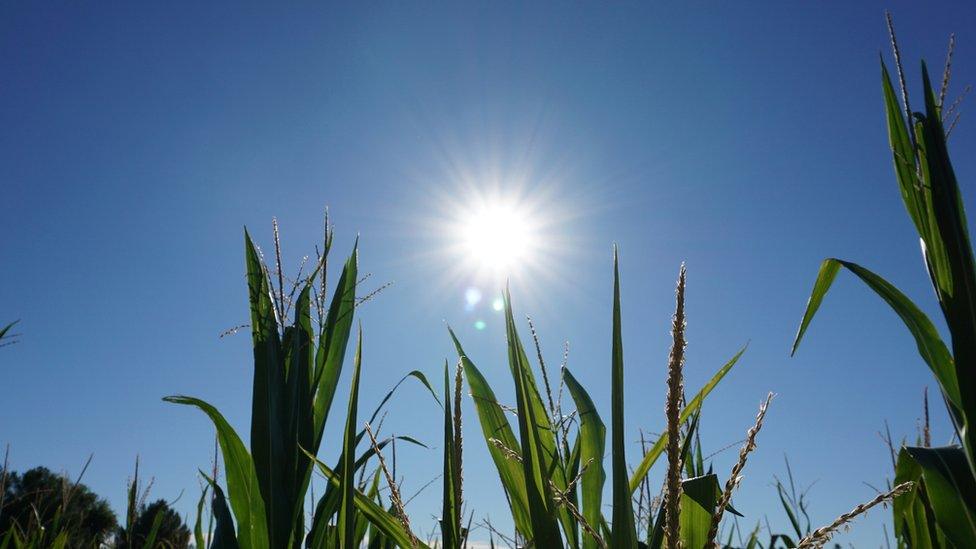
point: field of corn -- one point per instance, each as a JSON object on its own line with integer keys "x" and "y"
{"x": 561, "y": 465}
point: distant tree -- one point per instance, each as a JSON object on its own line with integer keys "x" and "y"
{"x": 42, "y": 501}
{"x": 172, "y": 532}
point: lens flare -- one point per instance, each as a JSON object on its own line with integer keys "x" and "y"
{"x": 472, "y": 296}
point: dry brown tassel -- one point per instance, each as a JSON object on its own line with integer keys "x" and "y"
{"x": 458, "y": 461}
{"x": 820, "y": 536}
{"x": 736, "y": 475}
{"x": 672, "y": 411}
{"x": 395, "y": 498}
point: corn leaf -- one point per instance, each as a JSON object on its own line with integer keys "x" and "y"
{"x": 268, "y": 399}
{"x": 224, "y": 536}
{"x": 536, "y": 457}
{"x": 373, "y": 494}
{"x": 328, "y": 505}
{"x": 624, "y": 529}
{"x": 377, "y": 516}
{"x": 914, "y": 521}
{"x": 959, "y": 304}
{"x": 297, "y": 428}
{"x": 495, "y": 427}
{"x": 347, "y": 509}
{"x": 916, "y": 198}
{"x": 150, "y": 540}
{"x": 242, "y": 483}
{"x": 198, "y": 525}
{"x": 699, "y": 496}
{"x": 332, "y": 344}
{"x": 450, "y": 510}
{"x": 416, "y": 374}
{"x": 951, "y": 491}
{"x": 698, "y": 499}
{"x": 794, "y": 521}
{"x": 592, "y": 439}
{"x": 930, "y": 345}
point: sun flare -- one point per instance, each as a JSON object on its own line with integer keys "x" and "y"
{"x": 490, "y": 229}
{"x": 497, "y": 237}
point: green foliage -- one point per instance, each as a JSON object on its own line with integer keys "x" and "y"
{"x": 546, "y": 468}
{"x": 592, "y": 438}
{"x": 624, "y": 529}
{"x": 451, "y": 534}
{"x": 40, "y": 508}
{"x": 941, "y": 509}
{"x": 154, "y": 525}
{"x": 150, "y": 526}
{"x": 296, "y": 374}
{"x": 347, "y": 507}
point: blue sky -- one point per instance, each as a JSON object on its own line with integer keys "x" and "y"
{"x": 747, "y": 141}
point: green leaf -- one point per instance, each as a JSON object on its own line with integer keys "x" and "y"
{"x": 132, "y": 504}
{"x": 347, "y": 510}
{"x": 61, "y": 541}
{"x": 914, "y": 522}
{"x": 658, "y": 448}
{"x": 537, "y": 458}
{"x": 297, "y": 431}
{"x": 328, "y": 505}
{"x": 198, "y": 525}
{"x": 268, "y": 399}
{"x": 752, "y": 542}
{"x": 373, "y": 494}
{"x": 154, "y": 529}
{"x": 698, "y": 499}
{"x": 959, "y": 302}
{"x": 951, "y": 490}
{"x": 913, "y": 195}
{"x": 699, "y": 496}
{"x": 376, "y": 515}
{"x": 624, "y": 530}
{"x": 794, "y": 521}
{"x": 332, "y": 344}
{"x": 450, "y": 510}
{"x": 930, "y": 345}
{"x": 592, "y": 439}
{"x": 495, "y": 426}
{"x": 416, "y": 374}
{"x": 825, "y": 279}
{"x": 224, "y": 536}
{"x": 242, "y": 483}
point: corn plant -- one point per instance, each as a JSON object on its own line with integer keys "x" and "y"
{"x": 128, "y": 536}
{"x": 296, "y": 373}
{"x": 553, "y": 474}
{"x": 452, "y": 533}
{"x": 940, "y": 511}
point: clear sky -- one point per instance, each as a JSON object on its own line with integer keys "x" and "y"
{"x": 747, "y": 140}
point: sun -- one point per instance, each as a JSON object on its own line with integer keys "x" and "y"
{"x": 491, "y": 229}
{"x": 497, "y": 237}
